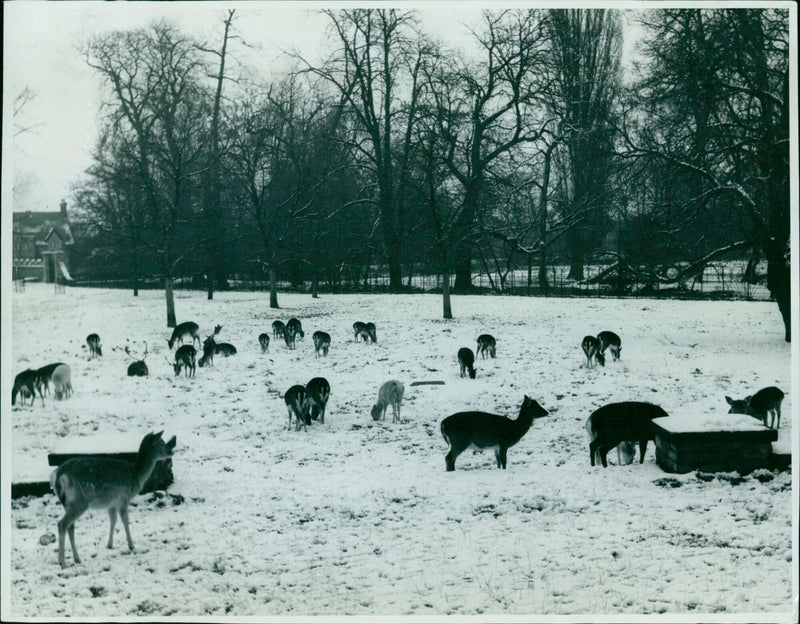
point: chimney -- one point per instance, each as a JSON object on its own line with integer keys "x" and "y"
{"x": 64, "y": 208}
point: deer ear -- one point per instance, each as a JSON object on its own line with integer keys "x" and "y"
{"x": 158, "y": 435}
{"x": 729, "y": 400}
{"x": 747, "y": 399}
{"x": 172, "y": 442}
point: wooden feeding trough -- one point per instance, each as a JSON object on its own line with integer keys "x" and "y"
{"x": 719, "y": 443}
{"x": 113, "y": 447}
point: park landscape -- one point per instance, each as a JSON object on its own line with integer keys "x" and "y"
{"x": 534, "y": 173}
{"x": 359, "y": 517}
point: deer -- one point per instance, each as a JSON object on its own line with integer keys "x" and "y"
{"x": 390, "y": 393}
{"x": 610, "y": 339}
{"x": 615, "y": 423}
{"x": 296, "y": 327}
{"x": 288, "y": 337}
{"x": 25, "y": 385}
{"x": 373, "y": 332}
{"x": 360, "y": 331}
{"x": 319, "y": 391}
{"x": 466, "y": 359}
{"x": 277, "y": 329}
{"x": 322, "y": 342}
{"x": 764, "y": 403}
{"x": 137, "y": 368}
{"x": 184, "y": 358}
{"x": 62, "y": 382}
{"x": 93, "y": 340}
{"x": 212, "y": 348}
{"x": 83, "y": 483}
{"x": 481, "y": 430}
{"x": 486, "y": 344}
{"x": 187, "y": 328}
{"x": 43, "y": 377}
{"x": 591, "y": 348}
{"x": 263, "y": 340}
{"x": 296, "y": 399}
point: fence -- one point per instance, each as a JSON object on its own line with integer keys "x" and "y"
{"x": 721, "y": 280}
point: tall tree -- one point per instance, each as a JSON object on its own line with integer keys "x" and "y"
{"x": 738, "y": 160}
{"x": 375, "y": 71}
{"x": 585, "y": 54}
{"x": 156, "y": 99}
{"x": 487, "y": 108}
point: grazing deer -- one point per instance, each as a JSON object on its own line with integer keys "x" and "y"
{"x": 614, "y": 423}
{"x": 486, "y": 344}
{"x": 43, "y": 377}
{"x": 263, "y": 340}
{"x": 390, "y": 393}
{"x": 184, "y": 330}
{"x": 137, "y": 368}
{"x": 296, "y": 399}
{"x": 211, "y": 348}
{"x": 184, "y": 358}
{"x": 322, "y": 342}
{"x": 25, "y": 383}
{"x": 766, "y": 402}
{"x": 278, "y": 328}
{"x": 288, "y": 337}
{"x": 610, "y": 339}
{"x": 626, "y": 452}
{"x": 83, "y": 483}
{"x": 62, "y": 382}
{"x": 319, "y": 391}
{"x": 296, "y": 327}
{"x": 466, "y": 359}
{"x": 93, "y": 340}
{"x": 591, "y": 348}
{"x": 360, "y": 331}
{"x": 373, "y": 332}
{"x": 481, "y": 430}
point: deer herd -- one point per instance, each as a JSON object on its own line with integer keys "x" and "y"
{"x": 110, "y": 484}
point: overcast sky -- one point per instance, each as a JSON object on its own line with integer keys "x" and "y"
{"x": 41, "y": 42}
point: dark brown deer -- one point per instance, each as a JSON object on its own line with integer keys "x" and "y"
{"x": 95, "y": 350}
{"x": 263, "y": 340}
{"x": 185, "y": 330}
{"x": 481, "y": 430}
{"x": 137, "y": 368}
{"x": 296, "y": 327}
{"x": 466, "y": 359}
{"x": 211, "y": 348}
{"x": 25, "y": 383}
{"x": 591, "y": 348}
{"x": 319, "y": 391}
{"x": 763, "y": 404}
{"x": 615, "y": 423}
{"x": 185, "y": 358}
{"x": 486, "y": 344}
{"x": 322, "y": 342}
{"x": 609, "y": 339}
{"x": 277, "y": 329}
{"x": 296, "y": 399}
{"x": 44, "y": 376}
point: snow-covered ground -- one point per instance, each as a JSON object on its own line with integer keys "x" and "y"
{"x": 355, "y": 517}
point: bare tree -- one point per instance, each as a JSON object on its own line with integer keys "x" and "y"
{"x": 155, "y": 97}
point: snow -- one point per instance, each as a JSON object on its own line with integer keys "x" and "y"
{"x": 356, "y": 517}
{"x": 704, "y": 423}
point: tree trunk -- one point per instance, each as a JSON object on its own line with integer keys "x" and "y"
{"x": 273, "y": 288}
{"x": 779, "y": 285}
{"x": 210, "y": 283}
{"x": 171, "y": 322}
{"x": 576, "y": 254}
{"x": 465, "y": 245}
{"x": 447, "y": 311}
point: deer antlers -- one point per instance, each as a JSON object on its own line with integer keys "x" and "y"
{"x": 133, "y": 357}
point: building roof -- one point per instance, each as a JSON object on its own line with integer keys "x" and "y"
{"x": 40, "y": 225}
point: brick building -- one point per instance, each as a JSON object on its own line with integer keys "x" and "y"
{"x": 42, "y": 243}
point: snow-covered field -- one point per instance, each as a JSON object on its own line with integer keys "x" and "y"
{"x": 355, "y": 517}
